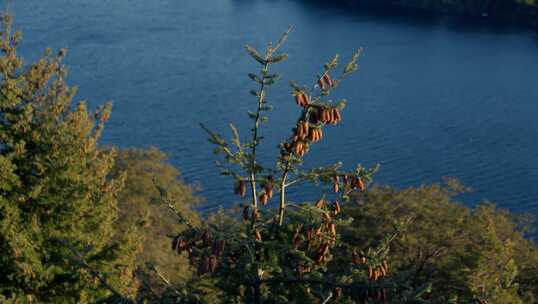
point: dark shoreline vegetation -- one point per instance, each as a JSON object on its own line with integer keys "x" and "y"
{"x": 84, "y": 223}
{"x": 516, "y": 12}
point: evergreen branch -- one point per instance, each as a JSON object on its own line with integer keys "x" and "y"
{"x": 217, "y": 140}
{"x": 282, "y": 39}
{"x": 352, "y": 64}
{"x": 351, "y": 286}
{"x": 255, "y": 143}
{"x": 92, "y": 271}
{"x": 235, "y": 137}
{"x": 387, "y": 241}
{"x": 288, "y": 165}
{"x": 164, "y": 279}
{"x": 316, "y": 173}
{"x": 255, "y": 54}
{"x": 282, "y": 194}
{"x": 163, "y": 194}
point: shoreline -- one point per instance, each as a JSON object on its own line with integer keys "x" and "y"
{"x": 497, "y": 11}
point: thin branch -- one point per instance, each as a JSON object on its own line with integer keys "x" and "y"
{"x": 355, "y": 285}
{"x": 328, "y": 298}
{"x": 261, "y": 97}
{"x": 282, "y": 39}
{"x": 282, "y": 203}
{"x": 218, "y": 140}
{"x": 164, "y": 197}
{"x": 165, "y": 280}
{"x": 93, "y": 272}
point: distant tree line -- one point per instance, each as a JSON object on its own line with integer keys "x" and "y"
{"x": 516, "y": 11}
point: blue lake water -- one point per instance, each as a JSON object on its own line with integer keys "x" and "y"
{"x": 434, "y": 96}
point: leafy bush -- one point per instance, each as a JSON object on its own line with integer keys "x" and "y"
{"x": 464, "y": 253}
{"x": 139, "y": 205}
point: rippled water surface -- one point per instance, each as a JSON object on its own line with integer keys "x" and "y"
{"x": 433, "y": 97}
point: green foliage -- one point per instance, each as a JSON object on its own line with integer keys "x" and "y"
{"x": 139, "y": 205}
{"x": 57, "y": 202}
{"x": 465, "y": 254}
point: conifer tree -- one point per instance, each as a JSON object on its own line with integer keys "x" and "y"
{"x": 57, "y": 202}
{"x": 284, "y": 254}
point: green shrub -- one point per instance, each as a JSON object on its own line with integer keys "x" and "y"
{"x": 139, "y": 205}
{"x": 464, "y": 253}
